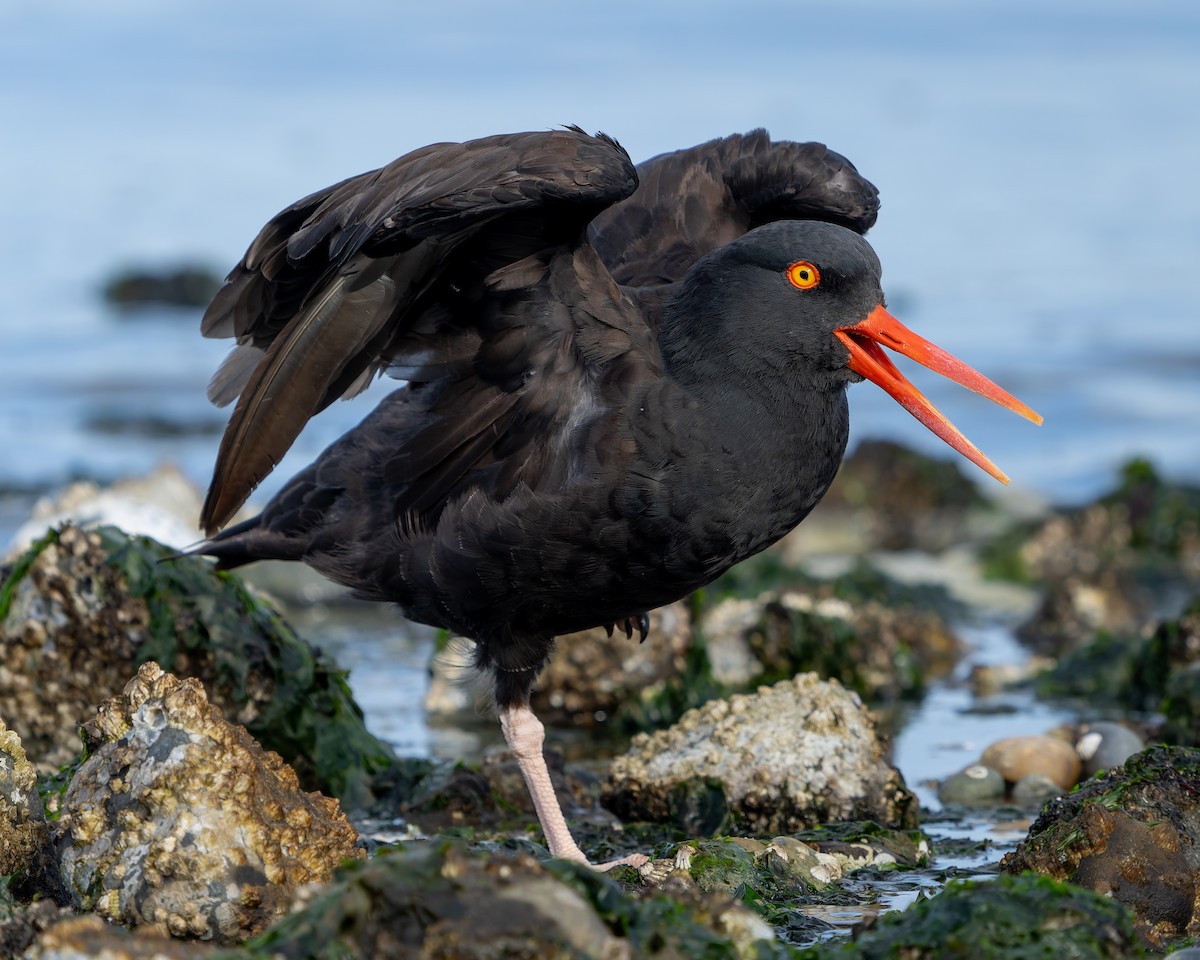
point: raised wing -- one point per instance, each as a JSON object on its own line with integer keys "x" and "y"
{"x": 389, "y": 268}
{"x": 692, "y": 201}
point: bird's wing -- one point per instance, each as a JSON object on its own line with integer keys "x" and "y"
{"x": 383, "y": 268}
{"x": 692, "y": 201}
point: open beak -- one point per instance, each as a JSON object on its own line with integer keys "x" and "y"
{"x": 863, "y": 340}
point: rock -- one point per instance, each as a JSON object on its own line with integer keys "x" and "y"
{"x": 1173, "y": 645}
{"x": 23, "y": 833}
{"x": 1110, "y": 566}
{"x": 1073, "y": 611}
{"x": 789, "y": 756}
{"x": 80, "y": 610}
{"x": 183, "y": 286}
{"x": 976, "y": 784}
{"x": 1007, "y": 917}
{"x": 1035, "y": 789}
{"x": 1103, "y": 745}
{"x": 1015, "y": 758}
{"x": 21, "y": 924}
{"x": 440, "y": 900}
{"x": 179, "y": 818}
{"x": 74, "y": 938}
{"x": 1133, "y": 834}
{"x": 771, "y": 870}
{"x": 883, "y": 652}
{"x": 1181, "y": 705}
{"x": 593, "y": 678}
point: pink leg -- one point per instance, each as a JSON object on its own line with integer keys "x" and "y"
{"x": 525, "y": 735}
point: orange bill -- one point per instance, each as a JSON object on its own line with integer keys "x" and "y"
{"x": 863, "y": 340}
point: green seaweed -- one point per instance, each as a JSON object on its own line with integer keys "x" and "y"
{"x": 21, "y": 567}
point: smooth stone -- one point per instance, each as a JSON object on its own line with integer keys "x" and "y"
{"x": 976, "y": 784}
{"x": 1018, "y": 757}
{"x": 1035, "y": 788}
{"x": 1104, "y": 745}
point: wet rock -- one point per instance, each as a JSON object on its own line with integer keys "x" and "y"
{"x": 868, "y": 845}
{"x": 789, "y": 756}
{"x": 440, "y": 900}
{"x": 772, "y": 870}
{"x": 178, "y": 818}
{"x": 975, "y": 785}
{"x": 74, "y": 938}
{"x": 1112, "y": 565}
{"x": 80, "y": 610}
{"x": 1132, "y": 833}
{"x": 1073, "y": 611}
{"x": 1015, "y": 758}
{"x": 1034, "y": 790}
{"x": 1103, "y": 745}
{"x": 882, "y": 652}
{"x": 23, "y": 833}
{"x": 1007, "y": 917}
{"x": 594, "y": 678}
{"x": 21, "y": 924}
{"x": 183, "y": 286}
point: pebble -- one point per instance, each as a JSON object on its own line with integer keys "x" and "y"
{"x": 1104, "y": 745}
{"x": 976, "y": 784}
{"x": 1018, "y": 757}
{"x": 1036, "y": 788}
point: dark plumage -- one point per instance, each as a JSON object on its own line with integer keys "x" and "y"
{"x": 614, "y": 392}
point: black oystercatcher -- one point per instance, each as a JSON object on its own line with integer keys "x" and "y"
{"x": 595, "y": 423}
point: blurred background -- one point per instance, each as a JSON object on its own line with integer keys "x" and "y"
{"x": 1037, "y": 163}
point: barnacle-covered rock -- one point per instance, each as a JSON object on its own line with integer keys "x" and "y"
{"x": 22, "y": 824}
{"x": 80, "y": 610}
{"x": 790, "y": 756}
{"x": 179, "y": 818}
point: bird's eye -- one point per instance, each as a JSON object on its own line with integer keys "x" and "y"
{"x": 803, "y": 275}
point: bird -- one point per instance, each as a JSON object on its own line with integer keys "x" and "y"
{"x": 617, "y": 383}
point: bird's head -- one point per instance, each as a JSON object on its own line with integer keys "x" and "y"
{"x": 811, "y": 291}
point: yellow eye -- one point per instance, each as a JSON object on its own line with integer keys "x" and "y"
{"x": 803, "y": 275}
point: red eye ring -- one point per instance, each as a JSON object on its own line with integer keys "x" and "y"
{"x": 803, "y": 275}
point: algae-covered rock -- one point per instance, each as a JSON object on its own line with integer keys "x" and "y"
{"x": 1014, "y": 917}
{"x": 1109, "y": 566}
{"x": 81, "y": 610}
{"x": 178, "y": 818}
{"x": 763, "y": 622}
{"x": 790, "y": 756}
{"x": 1132, "y": 834}
{"x": 440, "y": 900}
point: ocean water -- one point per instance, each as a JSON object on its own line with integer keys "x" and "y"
{"x": 1037, "y": 164}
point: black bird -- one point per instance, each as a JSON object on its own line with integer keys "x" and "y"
{"x": 613, "y": 393}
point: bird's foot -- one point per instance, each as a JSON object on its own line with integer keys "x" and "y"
{"x": 633, "y": 860}
{"x": 641, "y": 621}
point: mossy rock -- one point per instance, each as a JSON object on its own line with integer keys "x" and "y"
{"x": 1130, "y": 833}
{"x": 1011, "y": 918}
{"x": 81, "y": 610}
{"x": 442, "y": 899}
